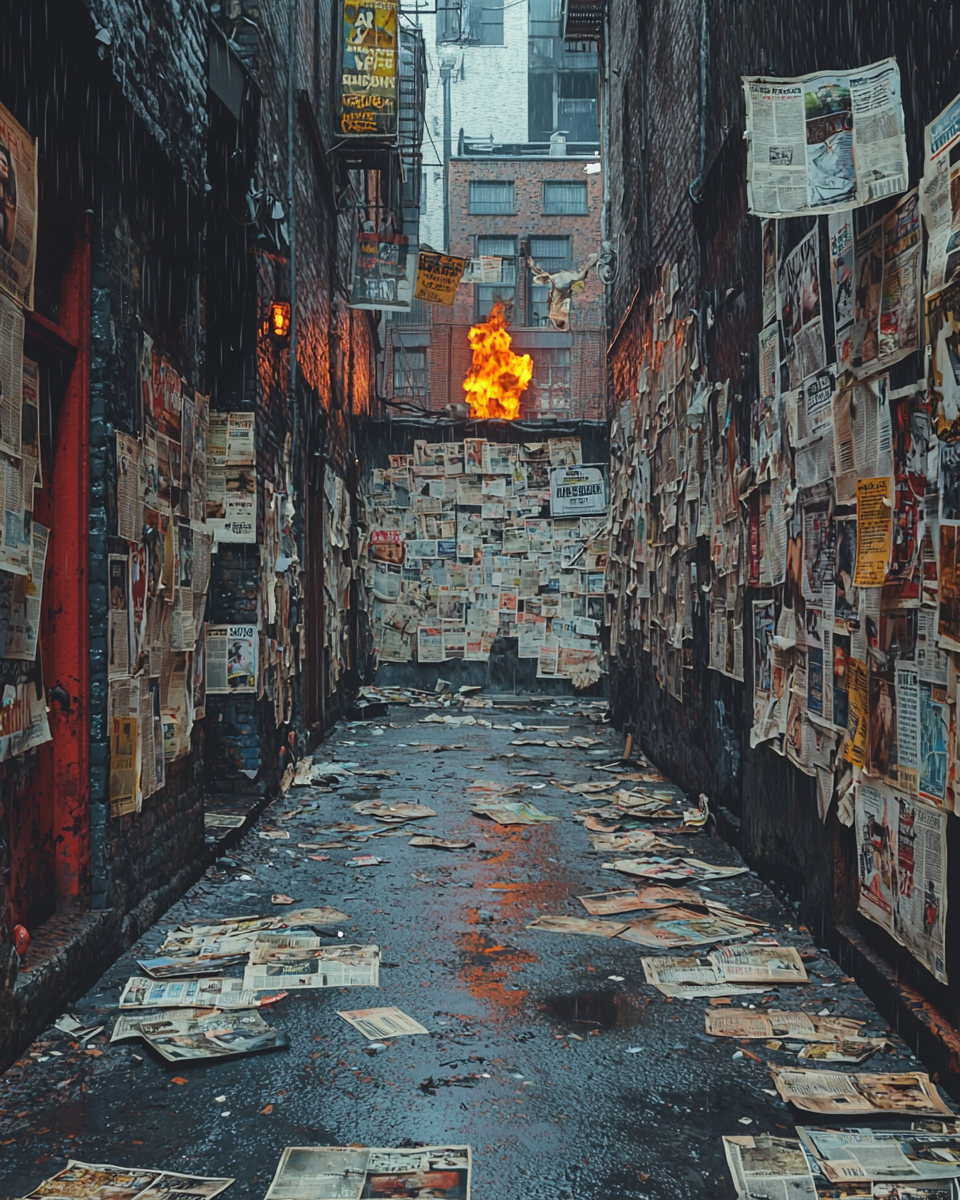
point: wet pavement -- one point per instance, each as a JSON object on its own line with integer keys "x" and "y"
{"x": 567, "y": 1082}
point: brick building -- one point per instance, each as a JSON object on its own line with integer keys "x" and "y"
{"x": 690, "y": 260}
{"x": 514, "y": 204}
{"x": 193, "y": 265}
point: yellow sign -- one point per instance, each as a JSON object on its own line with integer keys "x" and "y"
{"x": 368, "y": 69}
{"x": 874, "y": 530}
{"x": 438, "y": 276}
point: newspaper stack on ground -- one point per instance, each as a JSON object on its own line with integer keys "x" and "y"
{"x": 834, "y": 1093}
{"x": 80, "y": 1179}
{"x": 189, "y": 1034}
{"x": 682, "y": 925}
{"x": 726, "y": 971}
{"x": 675, "y": 926}
{"x": 333, "y": 1172}
{"x": 605, "y": 904}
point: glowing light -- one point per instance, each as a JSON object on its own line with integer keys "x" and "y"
{"x": 280, "y": 319}
{"x": 498, "y": 377}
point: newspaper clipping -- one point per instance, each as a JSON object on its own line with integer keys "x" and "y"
{"x": 824, "y": 142}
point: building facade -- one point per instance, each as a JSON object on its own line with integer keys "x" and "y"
{"x": 741, "y": 676}
{"x": 512, "y": 174}
{"x": 180, "y": 611}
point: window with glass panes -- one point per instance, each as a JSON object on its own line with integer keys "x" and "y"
{"x": 486, "y": 295}
{"x": 476, "y": 21}
{"x": 552, "y": 254}
{"x": 564, "y": 198}
{"x": 490, "y": 197}
{"x": 551, "y": 378}
{"x": 409, "y": 371}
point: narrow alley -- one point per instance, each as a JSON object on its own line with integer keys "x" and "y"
{"x": 545, "y": 1051}
{"x": 479, "y": 599}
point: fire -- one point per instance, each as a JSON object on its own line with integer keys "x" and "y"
{"x": 498, "y": 376}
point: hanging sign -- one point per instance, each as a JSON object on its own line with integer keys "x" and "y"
{"x": 368, "y": 69}
{"x": 438, "y": 276}
{"x": 382, "y": 272}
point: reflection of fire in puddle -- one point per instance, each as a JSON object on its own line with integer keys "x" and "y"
{"x": 600, "y": 1010}
{"x": 486, "y": 966}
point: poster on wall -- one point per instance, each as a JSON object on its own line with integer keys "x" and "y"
{"x": 231, "y": 653}
{"x": 577, "y": 491}
{"x": 368, "y": 69}
{"x": 824, "y": 142}
{"x": 18, "y": 209}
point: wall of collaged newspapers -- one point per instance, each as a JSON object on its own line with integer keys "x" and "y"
{"x": 785, "y": 528}
{"x": 484, "y": 554}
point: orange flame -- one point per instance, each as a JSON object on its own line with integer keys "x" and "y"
{"x": 498, "y": 376}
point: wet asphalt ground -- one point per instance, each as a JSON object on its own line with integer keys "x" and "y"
{"x": 566, "y": 1082}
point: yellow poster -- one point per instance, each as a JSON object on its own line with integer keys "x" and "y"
{"x": 124, "y": 781}
{"x": 857, "y": 708}
{"x": 438, "y": 276}
{"x": 368, "y": 60}
{"x": 874, "y": 527}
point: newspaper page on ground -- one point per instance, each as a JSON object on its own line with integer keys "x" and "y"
{"x": 379, "y": 1023}
{"x": 724, "y": 972}
{"x": 845, "y": 1155}
{"x": 769, "y": 1168}
{"x": 832, "y": 1092}
{"x": 335, "y": 1172}
{"x": 82, "y": 1179}
{"x": 187, "y": 993}
{"x": 336, "y": 966}
{"x": 798, "y": 1026}
{"x": 824, "y": 142}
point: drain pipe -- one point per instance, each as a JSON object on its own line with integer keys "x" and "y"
{"x": 447, "y": 150}
{"x": 694, "y": 189}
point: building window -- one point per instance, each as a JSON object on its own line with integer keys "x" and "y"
{"x": 490, "y": 198}
{"x": 409, "y": 372}
{"x": 551, "y": 379}
{"x": 552, "y": 254}
{"x": 566, "y": 198}
{"x": 486, "y": 295}
{"x": 491, "y": 22}
{"x": 476, "y": 21}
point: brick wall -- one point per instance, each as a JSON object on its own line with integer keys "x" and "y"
{"x": 158, "y": 51}
{"x": 664, "y": 138}
{"x": 448, "y": 351}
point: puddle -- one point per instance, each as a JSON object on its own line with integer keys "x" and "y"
{"x": 597, "y": 1010}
